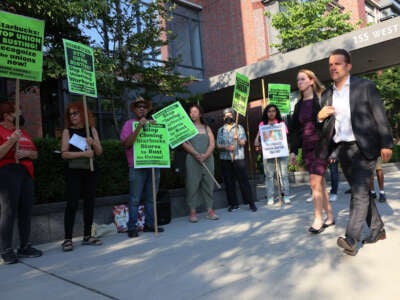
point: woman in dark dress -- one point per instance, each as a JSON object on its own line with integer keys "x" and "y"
{"x": 305, "y": 136}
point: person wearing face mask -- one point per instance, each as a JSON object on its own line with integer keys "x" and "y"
{"x": 231, "y": 139}
{"x": 17, "y": 151}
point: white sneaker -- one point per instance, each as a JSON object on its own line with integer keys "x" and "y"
{"x": 333, "y": 197}
{"x": 309, "y": 199}
{"x": 270, "y": 201}
{"x": 286, "y": 200}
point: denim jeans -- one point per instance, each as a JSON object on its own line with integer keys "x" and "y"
{"x": 141, "y": 187}
{"x": 269, "y": 171}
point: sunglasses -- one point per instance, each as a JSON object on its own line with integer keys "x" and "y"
{"x": 141, "y": 106}
{"x": 74, "y": 113}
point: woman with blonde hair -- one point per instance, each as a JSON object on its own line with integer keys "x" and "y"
{"x": 79, "y": 178}
{"x": 304, "y": 135}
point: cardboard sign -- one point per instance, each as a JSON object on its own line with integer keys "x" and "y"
{"x": 21, "y": 44}
{"x": 279, "y": 94}
{"x": 79, "y": 62}
{"x": 241, "y": 94}
{"x": 274, "y": 141}
{"x": 151, "y": 147}
{"x": 180, "y": 126}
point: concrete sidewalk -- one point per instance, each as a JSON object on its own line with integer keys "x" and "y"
{"x": 264, "y": 255}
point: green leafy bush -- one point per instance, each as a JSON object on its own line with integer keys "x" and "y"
{"x": 396, "y": 154}
{"x": 49, "y": 171}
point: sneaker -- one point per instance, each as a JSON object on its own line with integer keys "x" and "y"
{"x": 151, "y": 228}
{"x": 133, "y": 233}
{"x": 270, "y": 201}
{"x": 8, "y": 257}
{"x": 286, "y": 200}
{"x": 28, "y": 251}
{"x": 332, "y": 197}
{"x": 382, "y": 197}
{"x": 193, "y": 218}
{"x": 309, "y": 199}
{"x": 372, "y": 195}
{"x": 211, "y": 215}
{"x": 233, "y": 208}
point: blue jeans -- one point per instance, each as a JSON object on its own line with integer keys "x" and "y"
{"x": 334, "y": 170}
{"x": 141, "y": 187}
{"x": 269, "y": 171}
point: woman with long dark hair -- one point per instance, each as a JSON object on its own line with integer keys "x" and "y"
{"x": 272, "y": 115}
{"x": 199, "y": 185}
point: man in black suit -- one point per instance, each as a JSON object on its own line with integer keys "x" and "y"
{"x": 353, "y": 119}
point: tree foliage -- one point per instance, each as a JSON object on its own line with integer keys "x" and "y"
{"x": 61, "y": 18}
{"x": 127, "y": 37}
{"x": 387, "y": 82}
{"x": 128, "y": 49}
{"x": 303, "y": 23}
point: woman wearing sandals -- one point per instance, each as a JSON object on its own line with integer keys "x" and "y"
{"x": 304, "y": 135}
{"x": 199, "y": 185}
{"x": 77, "y": 149}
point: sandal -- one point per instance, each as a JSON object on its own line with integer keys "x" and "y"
{"x": 92, "y": 241}
{"x": 67, "y": 245}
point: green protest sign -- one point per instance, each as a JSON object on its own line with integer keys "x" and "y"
{"x": 21, "y": 44}
{"x": 180, "y": 126}
{"x": 151, "y": 147}
{"x": 279, "y": 94}
{"x": 79, "y": 62}
{"x": 241, "y": 94}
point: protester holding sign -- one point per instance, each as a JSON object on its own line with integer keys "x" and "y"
{"x": 199, "y": 185}
{"x": 77, "y": 149}
{"x": 232, "y": 138}
{"x": 140, "y": 180}
{"x": 16, "y": 186}
{"x": 272, "y": 115}
{"x": 303, "y": 134}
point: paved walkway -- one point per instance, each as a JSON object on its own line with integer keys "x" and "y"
{"x": 264, "y": 255}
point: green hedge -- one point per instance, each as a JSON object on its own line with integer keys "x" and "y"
{"x": 113, "y": 175}
{"x": 49, "y": 171}
{"x": 396, "y": 154}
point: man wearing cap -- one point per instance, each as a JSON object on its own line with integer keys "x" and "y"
{"x": 140, "y": 180}
{"x": 231, "y": 140}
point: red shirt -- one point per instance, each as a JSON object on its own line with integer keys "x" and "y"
{"x": 25, "y": 143}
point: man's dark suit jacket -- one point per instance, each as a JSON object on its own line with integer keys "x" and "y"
{"x": 368, "y": 119}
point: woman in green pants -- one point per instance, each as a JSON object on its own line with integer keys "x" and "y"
{"x": 199, "y": 185}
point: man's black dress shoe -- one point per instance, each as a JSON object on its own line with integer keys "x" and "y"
{"x": 348, "y": 244}
{"x": 374, "y": 237}
{"x": 316, "y": 231}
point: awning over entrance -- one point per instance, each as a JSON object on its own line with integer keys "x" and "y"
{"x": 372, "y": 48}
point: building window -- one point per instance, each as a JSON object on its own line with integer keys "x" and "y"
{"x": 186, "y": 44}
{"x": 372, "y": 13}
